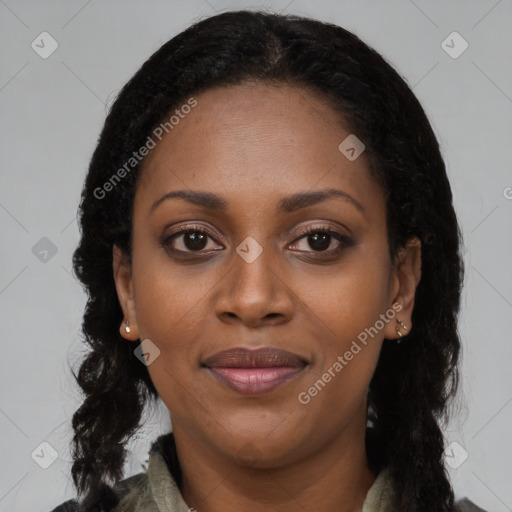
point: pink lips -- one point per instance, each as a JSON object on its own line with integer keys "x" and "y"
{"x": 255, "y": 371}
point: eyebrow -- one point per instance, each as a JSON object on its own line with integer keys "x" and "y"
{"x": 287, "y": 204}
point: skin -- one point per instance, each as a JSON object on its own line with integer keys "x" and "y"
{"x": 252, "y": 144}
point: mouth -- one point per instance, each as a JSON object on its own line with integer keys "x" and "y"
{"x": 254, "y": 372}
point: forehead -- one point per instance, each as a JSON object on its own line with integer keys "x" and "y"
{"x": 255, "y": 139}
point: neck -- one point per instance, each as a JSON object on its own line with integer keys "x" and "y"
{"x": 335, "y": 478}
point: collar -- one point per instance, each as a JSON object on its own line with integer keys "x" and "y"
{"x": 157, "y": 490}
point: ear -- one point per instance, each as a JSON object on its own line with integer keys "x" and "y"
{"x": 406, "y": 275}
{"x": 124, "y": 285}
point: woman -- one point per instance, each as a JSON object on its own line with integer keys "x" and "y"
{"x": 268, "y": 217}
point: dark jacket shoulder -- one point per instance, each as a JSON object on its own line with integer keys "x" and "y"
{"x": 121, "y": 488}
{"x": 67, "y": 506}
{"x": 465, "y": 505}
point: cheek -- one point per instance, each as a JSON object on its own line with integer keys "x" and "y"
{"x": 346, "y": 308}
{"x": 169, "y": 312}
{"x": 351, "y": 298}
{"x": 168, "y": 297}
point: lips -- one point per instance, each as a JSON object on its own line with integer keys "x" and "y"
{"x": 260, "y": 358}
{"x": 254, "y": 371}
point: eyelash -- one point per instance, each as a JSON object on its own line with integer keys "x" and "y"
{"x": 344, "y": 241}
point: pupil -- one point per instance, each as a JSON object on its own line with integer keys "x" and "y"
{"x": 322, "y": 246}
{"x": 195, "y": 241}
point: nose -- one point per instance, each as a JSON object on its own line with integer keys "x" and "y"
{"x": 254, "y": 294}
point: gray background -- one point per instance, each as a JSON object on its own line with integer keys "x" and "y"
{"x": 52, "y": 111}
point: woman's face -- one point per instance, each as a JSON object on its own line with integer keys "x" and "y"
{"x": 254, "y": 279}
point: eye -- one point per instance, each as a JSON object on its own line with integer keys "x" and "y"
{"x": 189, "y": 239}
{"x": 315, "y": 240}
{"x": 321, "y": 240}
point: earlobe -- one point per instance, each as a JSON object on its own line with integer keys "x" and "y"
{"x": 122, "y": 272}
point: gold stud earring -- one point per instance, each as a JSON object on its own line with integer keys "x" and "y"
{"x": 402, "y": 324}
{"x": 127, "y": 327}
{"x": 398, "y": 330}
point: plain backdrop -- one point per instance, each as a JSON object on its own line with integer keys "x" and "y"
{"x": 52, "y": 111}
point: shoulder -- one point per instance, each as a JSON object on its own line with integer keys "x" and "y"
{"x": 122, "y": 489}
{"x": 67, "y": 506}
{"x": 465, "y": 505}
{"x": 382, "y": 497}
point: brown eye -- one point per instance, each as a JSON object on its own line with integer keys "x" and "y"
{"x": 318, "y": 240}
{"x": 195, "y": 241}
{"x": 188, "y": 239}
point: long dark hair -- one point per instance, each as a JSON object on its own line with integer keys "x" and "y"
{"x": 414, "y": 382}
